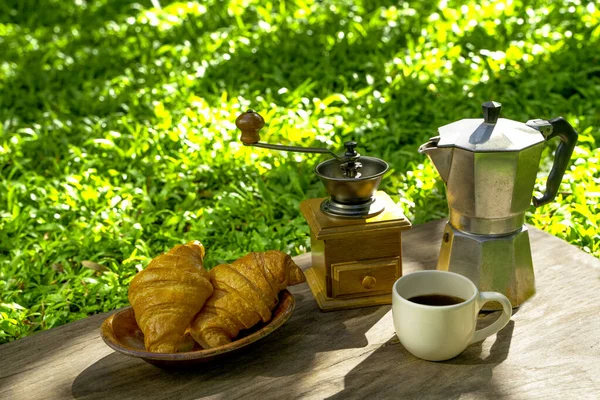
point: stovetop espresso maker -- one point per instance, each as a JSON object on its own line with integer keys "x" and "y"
{"x": 489, "y": 167}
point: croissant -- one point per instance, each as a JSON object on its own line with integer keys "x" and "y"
{"x": 168, "y": 294}
{"x": 246, "y": 292}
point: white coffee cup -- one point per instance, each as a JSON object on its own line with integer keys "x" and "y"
{"x": 439, "y": 333}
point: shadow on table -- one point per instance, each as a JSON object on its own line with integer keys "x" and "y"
{"x": 291, "y": 350}
{"x": 392, "y": 372}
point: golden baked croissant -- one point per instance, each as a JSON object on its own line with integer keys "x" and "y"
{"x": 168, "y": 294}
{"x": 246, "y": 292}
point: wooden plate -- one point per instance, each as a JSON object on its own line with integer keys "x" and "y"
{"x": 121, "y": 332}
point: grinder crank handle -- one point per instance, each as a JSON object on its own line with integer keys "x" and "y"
{"x": 250, "y": 123}
{"x": 568, "y": 138}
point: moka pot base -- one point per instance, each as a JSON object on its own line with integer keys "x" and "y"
{"x": 355, "y": 261}
{"x": 496, "y": 263}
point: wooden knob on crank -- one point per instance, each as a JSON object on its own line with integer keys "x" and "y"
{"x": 250, "y": 123}
{"x": 369, "y": 282}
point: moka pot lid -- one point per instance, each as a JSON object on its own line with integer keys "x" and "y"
{"x": 489, "y": 134}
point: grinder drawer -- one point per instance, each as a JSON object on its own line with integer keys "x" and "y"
{"x": 368, "y": 277}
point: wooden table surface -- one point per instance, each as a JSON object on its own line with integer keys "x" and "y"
{"x": 550, "y": 349}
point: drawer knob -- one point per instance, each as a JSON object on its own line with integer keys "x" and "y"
{"x": 369, "y": 282}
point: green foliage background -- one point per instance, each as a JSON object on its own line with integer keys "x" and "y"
{"x": 117, "y": 138}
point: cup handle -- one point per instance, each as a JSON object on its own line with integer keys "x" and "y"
{"x": 501, "y": 322}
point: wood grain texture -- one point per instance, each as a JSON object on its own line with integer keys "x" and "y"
{"x": 550, "y": 349}
{"x": 351, "y": 279}
{"x": 315, "y": 283}
{"x": 335, "y": 242}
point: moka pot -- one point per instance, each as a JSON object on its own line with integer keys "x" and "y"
{"x": 489, "y": 167}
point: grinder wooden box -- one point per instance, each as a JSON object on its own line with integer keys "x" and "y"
{"x": 355, "y": 261}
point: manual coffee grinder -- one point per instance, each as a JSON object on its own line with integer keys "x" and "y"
{"x": 355, "y": 233}
{"x": 489, "y": 167}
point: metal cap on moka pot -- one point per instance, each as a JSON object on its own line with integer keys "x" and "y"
{"x": 350, "y": 179}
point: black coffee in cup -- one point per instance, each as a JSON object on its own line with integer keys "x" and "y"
{"x": 433, "y": 332}
{"x": 436, "y": 300}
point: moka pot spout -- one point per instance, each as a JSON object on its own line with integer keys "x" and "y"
{"x": 441, "y": 157}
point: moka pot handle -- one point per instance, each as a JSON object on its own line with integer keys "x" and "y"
{"x": 568, "y": 138}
